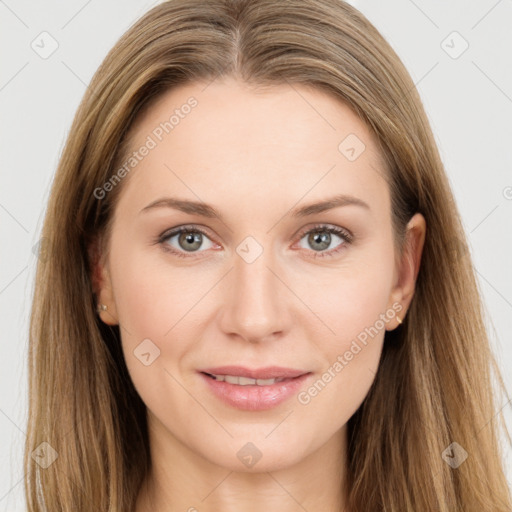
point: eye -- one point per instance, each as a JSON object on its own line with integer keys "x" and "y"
{"x": 185, "y": 239}
{"x": 321, "y": 238}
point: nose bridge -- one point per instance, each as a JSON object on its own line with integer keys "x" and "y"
{"x": 254, "y": 307}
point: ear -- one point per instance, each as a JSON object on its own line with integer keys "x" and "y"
{"x": 102, "y": 283}
{"x": 408, "y": 266}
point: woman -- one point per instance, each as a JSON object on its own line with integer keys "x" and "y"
{"x": 258, "y": 294}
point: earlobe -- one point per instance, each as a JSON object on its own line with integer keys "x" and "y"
{"x": 102, "y": 286}
{"x": 106, "y": 315}
{"x": 106, "y": 307}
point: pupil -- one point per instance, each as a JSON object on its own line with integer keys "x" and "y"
{"x": 322, "y": 238}
{"x": 190, "y": 238}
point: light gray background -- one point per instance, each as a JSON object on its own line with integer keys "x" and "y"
{"x": 468, "y": 100}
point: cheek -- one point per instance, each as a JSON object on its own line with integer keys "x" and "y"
{"x": 354, "y": 306}
{"x": 351, "y": 300}
{"x": 152, "y": 305}
{"x": 356, "y": 311}
{"x": 341, "y": 388}
{"x": 151, "y": 297}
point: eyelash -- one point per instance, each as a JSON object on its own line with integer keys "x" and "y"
{"x": 320, "y": 228}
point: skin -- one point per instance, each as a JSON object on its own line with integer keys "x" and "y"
{"x": 254, "y": 156}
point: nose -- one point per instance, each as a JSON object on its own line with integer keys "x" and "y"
{"x": 255, "y": 304}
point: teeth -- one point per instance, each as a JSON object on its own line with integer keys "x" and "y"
{"x": 246, "y": 381}
{"x": 230, "y": 379}
{"x": 267, "y": 382}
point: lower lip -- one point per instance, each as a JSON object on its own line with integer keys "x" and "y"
{"x": 255, "y": 398}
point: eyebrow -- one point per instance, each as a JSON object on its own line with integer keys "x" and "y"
{"x": 206, "y": 210}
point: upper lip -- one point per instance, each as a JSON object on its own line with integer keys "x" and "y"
{"x": 269, "y": 372}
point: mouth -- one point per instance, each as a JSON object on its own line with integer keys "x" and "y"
{"x": 269, "y": 372}
{"x": 245, "y": 381}
{"x": 254, "y": 389}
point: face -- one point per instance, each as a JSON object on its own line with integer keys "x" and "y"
{"x": 258, "y": 279}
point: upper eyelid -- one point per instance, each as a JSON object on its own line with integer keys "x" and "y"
{"x": 326, "y": 227}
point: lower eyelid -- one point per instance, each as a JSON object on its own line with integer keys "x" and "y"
{"x": 327, "y": 252}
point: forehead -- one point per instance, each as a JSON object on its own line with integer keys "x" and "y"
{"x": 226, "y": 136}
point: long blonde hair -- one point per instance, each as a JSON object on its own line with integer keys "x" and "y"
{"x": 434, "y": 385}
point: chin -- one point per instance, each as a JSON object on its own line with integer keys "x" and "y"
{"x": 257, "y": 456}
